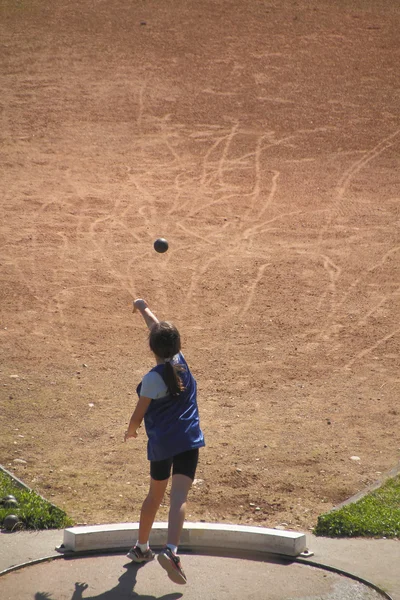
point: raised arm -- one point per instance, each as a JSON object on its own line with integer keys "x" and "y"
{"x": 142, "y": 306}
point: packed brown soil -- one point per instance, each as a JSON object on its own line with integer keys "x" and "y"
{"x": 262, "y": 140}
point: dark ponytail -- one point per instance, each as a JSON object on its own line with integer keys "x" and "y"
{"x": 165, "y": 342}
{"x": 172, "y": 378}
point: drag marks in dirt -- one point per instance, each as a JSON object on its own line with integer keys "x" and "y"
{"x": 219, "y": 193}
{"x": 364, "y": 319}
{"x": 349, "y": 174}
{"x": 236, "y": 173}
{"x": 67, "y": 240}
{"x": 193, "y": 190}
{"x": 358, "y": 295}
{"x": 370, "y": 349}
{"x": 371, "y": 269}
{"x": 334, "y": 272}
{"x": 258, "y": 229}
{"x": 229, "y": 172}
{"x": 219, "y": 179}
{"x": 344, "y": 206}
{"x": 252, "y": 289}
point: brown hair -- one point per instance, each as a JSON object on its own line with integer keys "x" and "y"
{"x": 165, "y": 342}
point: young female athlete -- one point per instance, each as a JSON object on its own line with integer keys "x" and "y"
{"x": 168, "y": 404}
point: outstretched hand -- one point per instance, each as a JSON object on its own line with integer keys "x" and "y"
{"x": 139, "y": 304}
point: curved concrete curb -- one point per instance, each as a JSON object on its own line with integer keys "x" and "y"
{"x": 208, "y": 538}
{"x": 311, "y": 563}
{"x": 196, "y": 536}
{"x": 30, "y": 563}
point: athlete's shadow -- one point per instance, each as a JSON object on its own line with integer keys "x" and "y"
{"x": 124, "y": 590}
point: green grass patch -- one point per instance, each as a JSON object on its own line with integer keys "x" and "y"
{"x": 375, "y": 515}
{"x": 33, "y": 511}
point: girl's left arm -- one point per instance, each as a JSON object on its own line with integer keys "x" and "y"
{"x": 137, "y": 417}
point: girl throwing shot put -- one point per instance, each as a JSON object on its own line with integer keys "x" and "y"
{"x": 167, "y": 403}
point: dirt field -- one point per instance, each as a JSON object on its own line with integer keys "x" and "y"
{"x": 262, "y": 140}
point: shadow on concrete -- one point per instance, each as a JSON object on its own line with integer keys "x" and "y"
{"x": 125, "y": 585}
{"x": 123, "y": 590}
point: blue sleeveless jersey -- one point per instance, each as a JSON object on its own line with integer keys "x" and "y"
{"x": 172, "y": 423}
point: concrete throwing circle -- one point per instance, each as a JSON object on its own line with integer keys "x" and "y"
{"x": 114, "y": 577}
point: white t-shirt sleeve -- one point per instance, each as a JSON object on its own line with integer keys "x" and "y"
{"x": 153, "y": 386}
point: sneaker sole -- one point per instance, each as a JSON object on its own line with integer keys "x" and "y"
{"x": 137, "y": 560}
{"x": 172, "y": 571}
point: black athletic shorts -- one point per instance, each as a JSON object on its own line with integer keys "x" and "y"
{"x": 182, "y": 464}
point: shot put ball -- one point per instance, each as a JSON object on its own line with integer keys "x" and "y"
{"x": 9, "y": 497}
{"x": 10, "y": 522}
{"x": 10, "y": 502}
{"x": 161, "y": 245}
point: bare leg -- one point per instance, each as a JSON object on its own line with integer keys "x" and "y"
{"x": 150, "y": 507}
{"x": 180, "y": 487}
